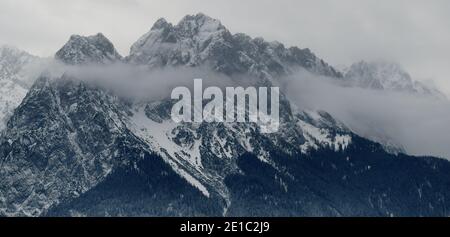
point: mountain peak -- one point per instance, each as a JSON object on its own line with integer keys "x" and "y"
{"x": 199, "y": 17}
{"x": 10, "y": 50}
{"x": 88, "y": 49}
{"x": 384, "y": 75}
{"x": 199, "y": 39}
{"x": 381, "y": 65}
{"x": 379, "y": 75}
{"x": 161, "y": 23}
{"x": 193, "y": 37}
{"x": 12, "y": 60}
{"x": 199, "y": 23}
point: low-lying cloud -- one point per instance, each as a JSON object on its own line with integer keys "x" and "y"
{"x": 155, "y": 84}
{"x": 136, "y": 81}
{"x": 419, "y": 124}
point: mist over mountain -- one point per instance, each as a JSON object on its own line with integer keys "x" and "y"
{"x": 404, "y": 120}
{"x": 15, "y": 66}
{"x": 93, "y": 135}
{"x": 387, "y": 76}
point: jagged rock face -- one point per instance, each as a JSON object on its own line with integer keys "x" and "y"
{"x": 14, "y": 82}
{"x": 12, "y": 62}
{"x": 362, "y": 180}
{"x": 89, "y": 49}
{"x": 199, "y": 39}
{"x": 63, "y": 139}
{"x": 67, "y": 137}
{"x": 191, "y": 42}
{"x": 386, "y": 76}
{"x": 72, "y": 148}
{"x": 262, "y": 57}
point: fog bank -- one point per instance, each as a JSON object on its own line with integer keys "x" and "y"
{"x": 417, "y": 123}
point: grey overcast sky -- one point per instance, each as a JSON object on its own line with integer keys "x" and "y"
{"x": 415, "y": 33}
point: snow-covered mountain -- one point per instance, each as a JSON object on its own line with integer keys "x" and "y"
{"x": 14, "y": 79}
{"x": 91, "y": 49}
{"x": 19, "y": 69}
{"x": 386, "y": 76}
{"x": 200, "y": 39}
{"x": 74, "y": 148}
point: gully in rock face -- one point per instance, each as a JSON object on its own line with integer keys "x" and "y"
{"x": 235, "y": 105}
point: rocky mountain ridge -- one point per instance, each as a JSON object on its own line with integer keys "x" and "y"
{"x": 72, "y": 148}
